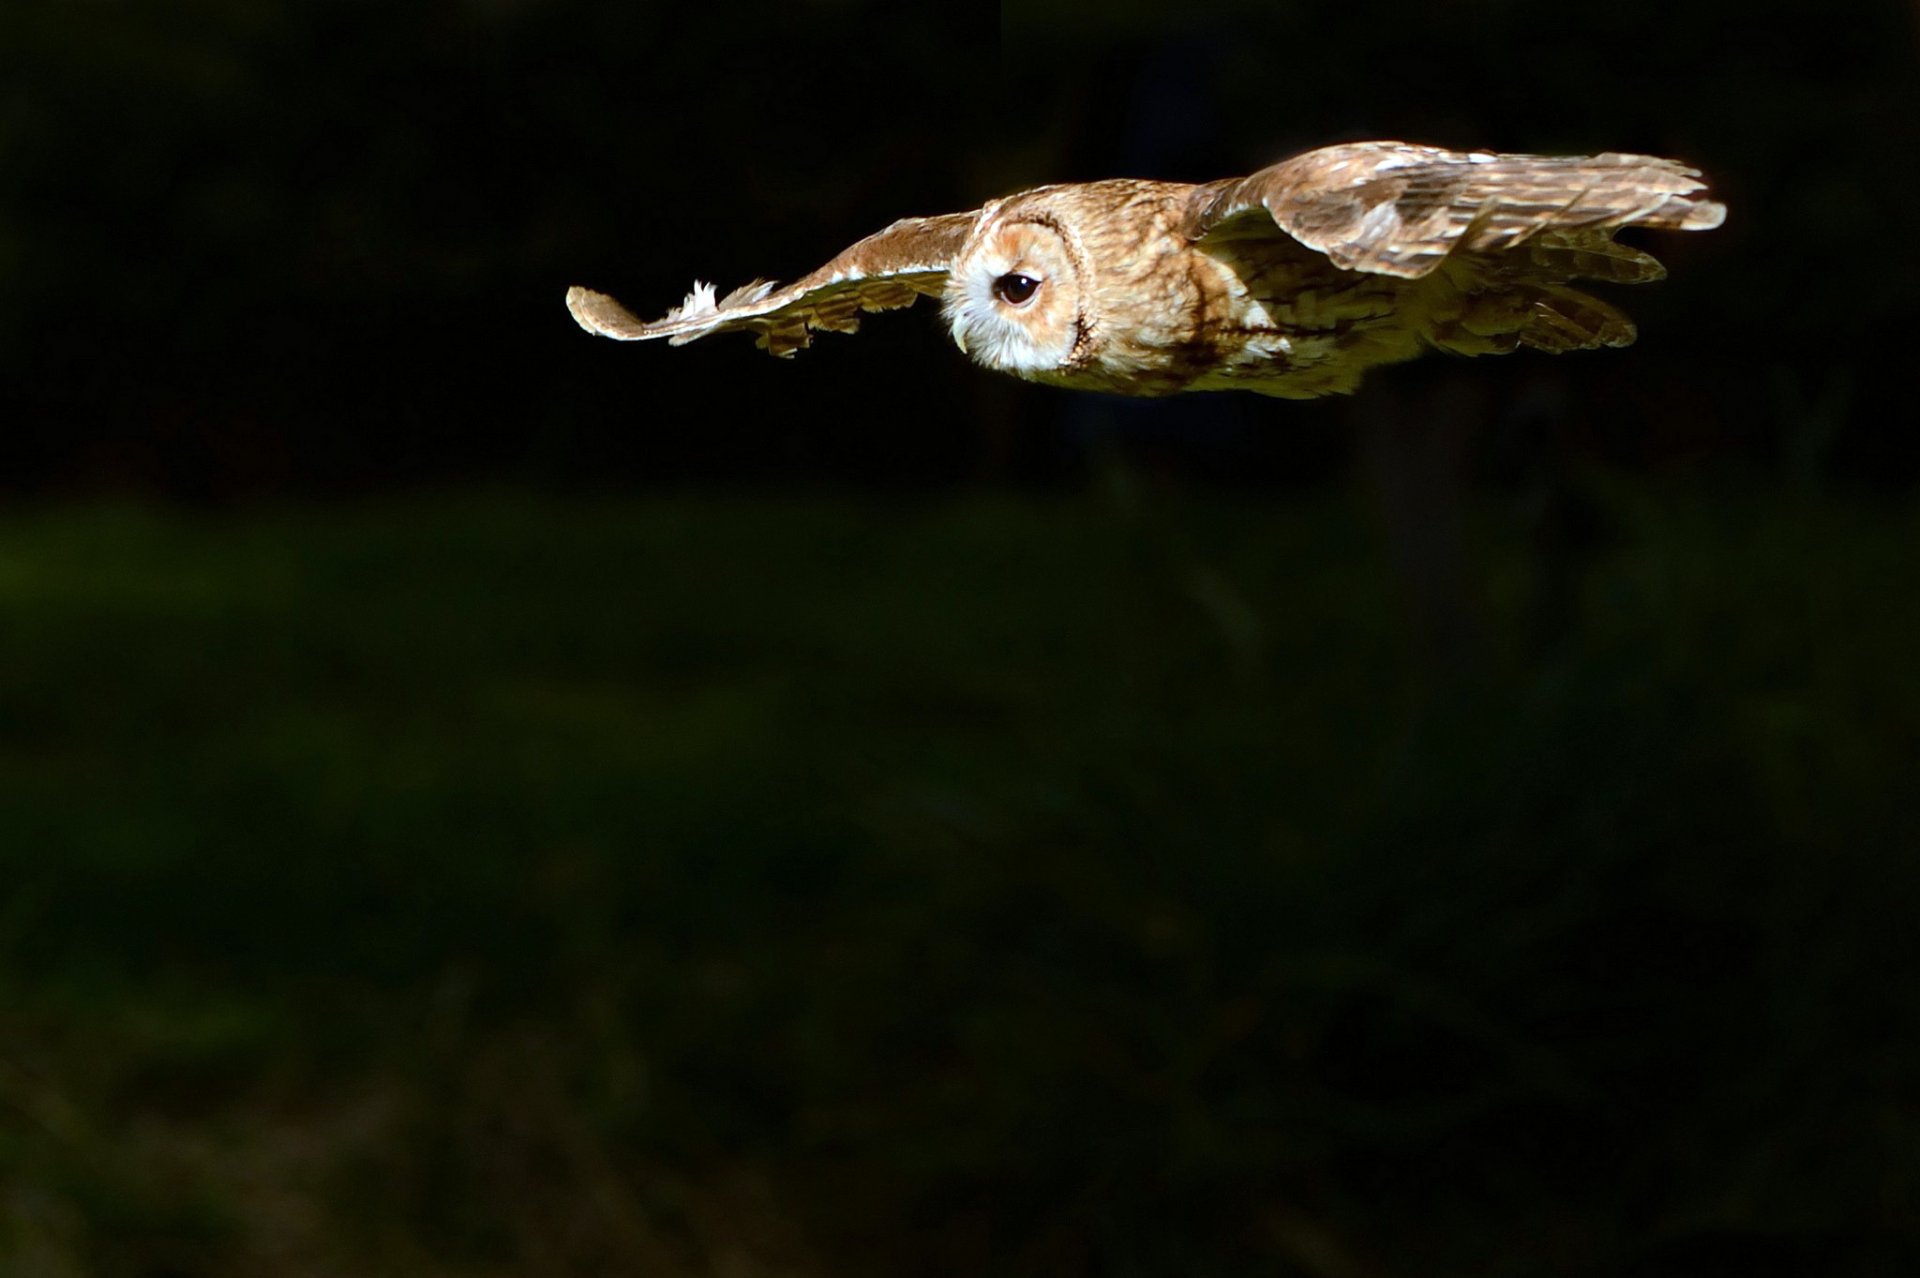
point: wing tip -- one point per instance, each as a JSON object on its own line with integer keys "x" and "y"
{"x": 701, "y": 312}
{"x": 602, "y": 316}
{"x": 1703, "y": 215}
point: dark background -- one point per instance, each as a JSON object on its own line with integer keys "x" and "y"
{"x": 314, "y": 247}
{"x": 476, "y": 799}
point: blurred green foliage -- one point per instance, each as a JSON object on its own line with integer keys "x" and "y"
{"x": 486, "y": 885}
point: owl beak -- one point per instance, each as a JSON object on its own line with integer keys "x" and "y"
{"x": 960, "y": 340}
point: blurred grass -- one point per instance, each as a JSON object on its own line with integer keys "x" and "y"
{"x": 488, "y": 885}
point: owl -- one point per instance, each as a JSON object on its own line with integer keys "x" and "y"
{"x": 1292, "y": 282}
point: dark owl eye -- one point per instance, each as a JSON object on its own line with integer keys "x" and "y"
{"x": 1014, "y": 289}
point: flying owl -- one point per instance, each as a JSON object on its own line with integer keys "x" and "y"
{"x": 1292, "y": 282}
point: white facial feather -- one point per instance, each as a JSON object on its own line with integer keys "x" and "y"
{"x": 700, "y": 301}
{"x": 989, "y": 331}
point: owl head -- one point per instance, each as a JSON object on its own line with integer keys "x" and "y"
{"x": 1016, "y": 298}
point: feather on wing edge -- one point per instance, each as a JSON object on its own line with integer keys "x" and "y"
{"x": 891, "y": 268}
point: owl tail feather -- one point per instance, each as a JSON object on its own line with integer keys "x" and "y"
{"x": 1539, "y": 315}
{"x": 1592, "y": 255}
{"x": 1565, "y": 319}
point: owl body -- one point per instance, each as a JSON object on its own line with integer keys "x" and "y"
{"x": 1259, "y": 313}
{"x": 1292, "y": 282}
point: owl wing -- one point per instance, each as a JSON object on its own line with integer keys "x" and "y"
{"x": 887, "y": 270}
{"x": 1391, "y": 208}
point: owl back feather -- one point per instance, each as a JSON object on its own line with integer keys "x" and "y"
{"x": 1389, "y": 208}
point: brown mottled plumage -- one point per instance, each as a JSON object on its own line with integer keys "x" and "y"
{"x": 1291, "y": 282}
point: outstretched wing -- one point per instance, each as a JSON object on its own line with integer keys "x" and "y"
{"x": 888, "y": 269}
{"x": 1391, "y": 208}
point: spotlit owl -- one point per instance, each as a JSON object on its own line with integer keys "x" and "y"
{"x": 1291, "y": 282}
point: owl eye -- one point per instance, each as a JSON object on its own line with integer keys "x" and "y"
{"x": 1015, "y": 289}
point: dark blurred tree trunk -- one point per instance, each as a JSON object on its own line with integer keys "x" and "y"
{"x": 1413, "y": 449}
{"x": 1567, "y": 528}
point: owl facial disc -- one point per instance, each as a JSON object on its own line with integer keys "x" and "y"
{"x": 1012, "y": 300}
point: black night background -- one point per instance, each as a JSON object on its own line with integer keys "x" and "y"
{"x": 478, "y": 799}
